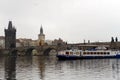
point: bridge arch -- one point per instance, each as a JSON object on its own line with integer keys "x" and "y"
{"x": 29, "y": 51}
{"x": 48, "y": 50}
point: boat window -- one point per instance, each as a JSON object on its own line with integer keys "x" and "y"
{"x": 84, "y": 52}
{"x": 108, "y": 53}
{"x": 91, "y": 52}
{"x": 104, "y": 52}
{"x": 67, "y": 52}
{"x": 95, "y": 52}
{"x": 101, "y": 53}
{"x": 98, "y": 52}
{"x": 87, "y": 52}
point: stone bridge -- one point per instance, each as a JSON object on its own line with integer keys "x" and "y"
{"x": 39, "y": 50}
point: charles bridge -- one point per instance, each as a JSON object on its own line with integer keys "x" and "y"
{"x": 45, "y": 49}
{"x": 40, "y": 50}
{"x": 34, "y": 50}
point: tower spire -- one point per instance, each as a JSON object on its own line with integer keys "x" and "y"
{"x": 41, "y": 37}
{"x": 10, "y": 25}
{"x": 41, "y": 30}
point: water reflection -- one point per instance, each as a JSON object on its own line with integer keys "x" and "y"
{"x": 116, "y": 69}
{"x": 24, "y": 68}
{"x": 95, "y": 69}
{"x": 10, "y": 68}
{"x": 49, "y": 68}
{"x": 2, "y": 75}
{"x": 40, "y": 67}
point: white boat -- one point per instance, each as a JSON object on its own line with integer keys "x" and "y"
{"x": 87, "y": 54}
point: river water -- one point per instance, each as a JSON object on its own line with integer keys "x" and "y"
{"x": 49, "y": 68}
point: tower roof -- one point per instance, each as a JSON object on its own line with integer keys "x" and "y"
{"x": 41, "y": 30}
{"x": 10, "y": 25}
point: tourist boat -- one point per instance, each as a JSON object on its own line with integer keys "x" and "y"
{"x": 87, "y": 54}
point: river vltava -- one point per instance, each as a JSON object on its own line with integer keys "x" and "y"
{"x": 49, "y": 68}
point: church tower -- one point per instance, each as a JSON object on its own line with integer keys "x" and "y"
{"x": 10, "y": 36}
{"x": 41, "y": 37}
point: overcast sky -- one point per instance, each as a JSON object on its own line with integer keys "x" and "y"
{"x": 71, "y": 20}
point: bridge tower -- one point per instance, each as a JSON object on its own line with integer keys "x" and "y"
{"x": 41, "y": 37}
{"x": 10, "y": 36}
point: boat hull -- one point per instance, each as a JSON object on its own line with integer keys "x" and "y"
{"x": 65, "y": 57}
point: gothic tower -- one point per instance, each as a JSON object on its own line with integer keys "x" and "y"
{"x": 41, "y": 37}
{"x": 10, "y": 36}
